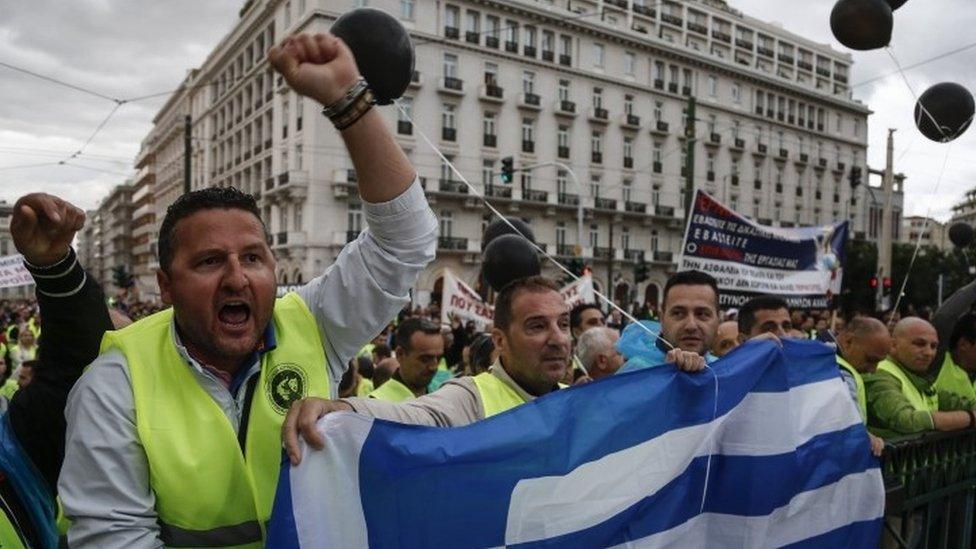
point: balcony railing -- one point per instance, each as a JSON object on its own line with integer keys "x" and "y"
{"x": 452, "y": 243}
{"x": 453, "y": 83}
{"x": 665, "y": 211}
{"x": 534, "y": 195}
{"x": 472, "y": 37}
{"x": 661, "y": 126}
{"x": 636, "y": 256}
{"x": 532, "y": 99}
{"x": 498, "y": 191}
{"x": 633, "y": 120}
{"x": 628, "y": 162}
{"x": 565, "y": 60}
{"x": 567, "y": 106}
{"x": 449, "y": 134}
{"x": 452, "y": 32}
{"x": 745, "y": 44}
{"x": 602, "y": 252}
{"x": 511, "y": 47}
{"x": 601, "y": 113}
{"x": 451, "y": 186}
{"x": 664, "y": 257}
{"x": 528, "y": 146}
{"x": 596, "y": 157}
{"x": 491, "y": 90}
{"x": 562, "y": 152}
{"x": 491, "y": 41}
{"x": 565, "y": 250}
{"x": 490, "y": 140}
{"x": 635, "y": 207}
{"x": 404, "y": 127}
{"x": 568, "y": 199}
{"x": 604, "y": 203}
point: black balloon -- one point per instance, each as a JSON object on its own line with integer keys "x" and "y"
{"x": 961, "y": 234}
{"x": 862, "y": 24}
{"x": 509, "y": 257}
{"x": 382, "y": 50}
{"x": 895, "y": 4}
{"x": 498, "y": 227}
{"x": 948, "y": 110}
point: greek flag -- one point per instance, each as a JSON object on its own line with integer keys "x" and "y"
{"x": 764, "y": 449}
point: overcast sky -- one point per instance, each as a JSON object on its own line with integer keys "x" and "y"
{"x": 131, "y": 48}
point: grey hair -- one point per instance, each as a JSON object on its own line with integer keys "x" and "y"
{"x": 592, "y": 343}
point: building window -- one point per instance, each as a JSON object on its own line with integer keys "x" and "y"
{"x": 452, "y": 17}
{"x": 597, "y": 98}
{"x": 625, "y": 235}
{"x": 629, "y": 147}
{"x": 560, "y": 234}
{"x": 450, "y": 65}
{"x": 737, "y": 93}
{"x": 658, "y": 110}
{"x": 354, "y": 217}
{"x": 447, "y": 223}
{"x": 487, "y": 172}
{"x": 655, "y": 242}
{"x": 629, "y": 105}
{"x": 528, "y": 82}
{"x": 299, "y": 163}
{"x": 625, "y": 192}
{"x": 562, "y": 137}
{"x": 548, "y": 42}
{"x": 594, "y": 236}
{"x": 630, "y": 63}
{"x": 528, "y": 130}
{"x": 407, "y": 9}
{"x": 564, "y": 90}
{"x": 474, "y": 22}
{"x": 491, "y": 27}
{"x": 596, "y": 142}
{"x": 491, "y": 74}
{"x": 447, "y": 116}
{"x": 599, "y": 52}
{"x": 712, "y": 86}
{"x": 565, "y": 45}
{"x": 488, "y": 124}
{"x": 595, "y": 186}
{"x": 562, "y": 184}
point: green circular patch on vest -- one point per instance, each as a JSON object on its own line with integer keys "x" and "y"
{"x": 286, "y": 384}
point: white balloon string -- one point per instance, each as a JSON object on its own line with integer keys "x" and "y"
{"x": 945, "y": 137}
{"x": 474, "y": 191}
{"x": 918, "y": 240}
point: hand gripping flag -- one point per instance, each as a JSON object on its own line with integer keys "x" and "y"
{"x": 764, "y": 449}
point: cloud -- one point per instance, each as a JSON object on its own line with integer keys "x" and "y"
{"x": 923, "y": 29}
{"x": 119, "y": 48}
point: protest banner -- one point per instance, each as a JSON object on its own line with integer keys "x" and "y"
{"x": 13, "y": 273}
{"x": 459, "y": 300}
{"x": 804, "y": 265}
{"x": 580, "y": 291}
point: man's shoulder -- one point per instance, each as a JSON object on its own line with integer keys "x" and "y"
{"x": 107, "y": 372}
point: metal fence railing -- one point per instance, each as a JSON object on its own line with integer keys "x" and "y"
{"x": 930, "y": 485}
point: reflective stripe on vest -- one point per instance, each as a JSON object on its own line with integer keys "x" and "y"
{"x": 224, "y": 536}
{"x": 929, "y": 403}
{"x": 496, "y": 396}
{"x": 862, "y": 399}
{"x": 392, "y": 391}
{"x": 954, "y": 379}
{"x": 206, "y": 489}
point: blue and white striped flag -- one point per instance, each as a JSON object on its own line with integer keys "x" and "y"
{"x": 771, "y": 432}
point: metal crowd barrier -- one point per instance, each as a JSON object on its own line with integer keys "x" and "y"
{"x": 930, "y": 485}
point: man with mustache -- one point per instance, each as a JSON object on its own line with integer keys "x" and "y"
{"x": 174, "y": 431}
{"x": 531, "y": 331}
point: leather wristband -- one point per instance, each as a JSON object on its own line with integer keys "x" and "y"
{"x": 340, "y": 106}
{"x": 351, "y": 115}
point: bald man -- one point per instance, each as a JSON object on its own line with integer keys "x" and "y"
{"x": 900, "y": 397}
{"x": 726, "y": 338}
{"x": 861, "y": 345}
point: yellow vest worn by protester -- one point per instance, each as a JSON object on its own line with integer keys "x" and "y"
{"x": 365, "y": 387}
{"x": 9, "y": 536}
{"x": 918, "y": 401}
{"x": 392, "y": 391}
{"x": 862, "y": 399}
{"x": 954, "y": 379}
{"x": 496, "y": 396}
{"x": 208, "y": 492}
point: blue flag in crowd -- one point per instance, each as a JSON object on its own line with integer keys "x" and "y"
{"x": 765, "y": 449}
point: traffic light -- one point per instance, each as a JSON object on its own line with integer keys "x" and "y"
{"x": 854, "y": 177}
{"x": 640, "y": 272}
{"x": 886, "y": 285}
{"x": 508, "y": 169}
{"x": 873, "y": 283}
